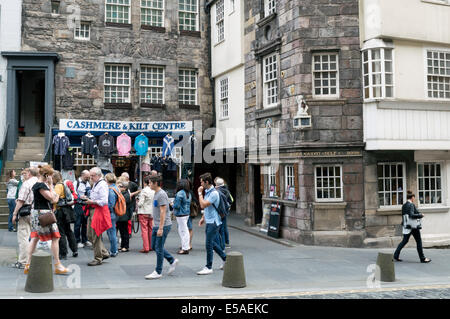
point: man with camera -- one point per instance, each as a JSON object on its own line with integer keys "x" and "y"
{"x": 83, "y": 188}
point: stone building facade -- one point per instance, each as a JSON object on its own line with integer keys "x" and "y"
{"x": 98, "y": 42}
{"x": 296, "y": 53}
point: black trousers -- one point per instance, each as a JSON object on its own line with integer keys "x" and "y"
{"x": 124, "y": 235}
{"x": 67, "y": 235}
{"x": 416, "y": 235}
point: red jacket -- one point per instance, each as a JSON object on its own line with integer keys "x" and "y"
{"x": 101, "y": 221}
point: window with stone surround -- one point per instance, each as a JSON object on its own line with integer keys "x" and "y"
{"x": 328, "y": 183}
{"x": 391, "y": 184}
{"x": 224, "y": 99}
{"x": 188, "y": 15}
{"x": 438, "y": 74}
{"x": 272, "y": 179}
{"x": 55, "y": 6}
{"x": 270, "y": 6}
{"x": 118, "y": 11}
{"x": 152, "y": 13}
{"x": 187, "y": 86}
{"x": 270, "y": 80}
{"x": 117, "y": 83}
{"x": 378, "y": 73}
{"x": 220, "y": 21}
{"x": 429, "y": 183}
{"x": 325, "y": 71}
{"x": 83, "y": 31}
{"x": 152, "y": 84}
{"x": 289, "y": 177}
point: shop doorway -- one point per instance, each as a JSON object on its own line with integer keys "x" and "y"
{"x": 258, "y": 211}
{"x": 31, "y": 102}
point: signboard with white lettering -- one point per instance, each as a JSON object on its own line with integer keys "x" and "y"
{"x": 123, "y": 126}
{"x": 274, "y": 220}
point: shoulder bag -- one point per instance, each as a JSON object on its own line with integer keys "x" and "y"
{"x": 25, "y": 210}
{"x": 47, "y": 219}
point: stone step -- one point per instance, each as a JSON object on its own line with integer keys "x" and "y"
{"x": 31, "y": 158}
{"x": 3, "y": 186}
{"x": 15, "y": 164}
{"x": 23, "y": 146}
{"x": 31, "y": 139}
{"x": 4, "y": 214}
{"x": 3, "y": 225}
{"x": 3, "y": 201}
{"x": 29, "y": 151}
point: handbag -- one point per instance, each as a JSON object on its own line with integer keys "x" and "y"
{"x": 193, "y": 209}
{"x": 46, "y": 219}
{"x": 413, "y": 223}
{"x": 25, "y": 210}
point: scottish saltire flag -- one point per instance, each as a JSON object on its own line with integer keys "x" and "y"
{"x": 168, "y": 144}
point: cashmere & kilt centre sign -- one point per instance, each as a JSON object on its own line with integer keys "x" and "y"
{"x": 124, "y": 126}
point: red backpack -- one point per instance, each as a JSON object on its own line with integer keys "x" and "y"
{"x": 121, "y": 206}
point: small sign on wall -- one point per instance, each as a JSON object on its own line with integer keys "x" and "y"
{"x": 70, "y": 72}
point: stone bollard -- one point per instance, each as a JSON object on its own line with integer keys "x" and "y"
{"x": 233, "y": 271}
{"x": 385, "y": 270}
{"x": 40, "y": 274}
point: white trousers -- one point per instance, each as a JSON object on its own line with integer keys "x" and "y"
{"x": 23, "y": 236}
{"x": 183, "y": 231}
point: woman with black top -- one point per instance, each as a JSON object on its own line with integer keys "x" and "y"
{"x": 44, "y": 197}
{"x": 122, "y": 221}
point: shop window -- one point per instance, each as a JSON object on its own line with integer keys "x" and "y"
{"x": 187, "y": 83}
{"x": 118, "y": 11}
{"x": 224, "y": 99}
{"x": 188, "y": 15}
{"x": 429, "y": 183}
{"x": 83, "y": 31}
{"x": 328, "y": 183}
{"x": 152, "y": 13}
{"x": 270, "y": 76}
{"x": 325, "y": 75}
{"x": 391, "y": 184}
{"x": 152, "y": 84}
{"x": 378, "y": 74}
{"x": 117, "y": 83}
{"x": 220, "y": 21}
{"x": 438, "y": 74}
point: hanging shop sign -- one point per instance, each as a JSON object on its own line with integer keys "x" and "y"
{"x": 123, "y": 126}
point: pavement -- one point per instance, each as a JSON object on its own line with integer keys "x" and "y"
{"x": 274, "y": 269}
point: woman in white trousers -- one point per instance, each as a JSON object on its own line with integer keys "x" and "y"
{"x": 181, "y": 207}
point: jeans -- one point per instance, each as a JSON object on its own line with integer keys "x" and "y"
{"x": 416, "y": 234}
{"x": 226, "y": 234}
{"x": 112, "y": 234}
{"x": 212, "y": 231}
{"x": 80, "y": 227}
{"x": 12, "y": 206}
{"x": 220, "y": 238}
{"x": 158, "y": 247}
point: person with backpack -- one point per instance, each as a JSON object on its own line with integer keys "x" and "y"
{"x": 181, "y": 210}
{"x": 224, "y": 237}
{"x": 64, "y": 217}
{"x": 113, "y": 199}
{"x": 122, "y": 221}
{"x": 210, "y": 203}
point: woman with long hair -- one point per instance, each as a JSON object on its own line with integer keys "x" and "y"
{"x": 44, "y": 197}
{"x": 181, "y": 210}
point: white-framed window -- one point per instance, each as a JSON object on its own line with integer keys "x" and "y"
{"x": 429, "y": 179}
{"x": 117, "y": 83}
{"x": 325, "y": 71}
{"x": 152, "y": 84}
{"x": 154, "y": 150}
{"x": 270, "y": 83}
{"x": 82, "y": 159}
{"x": 188, "y": 15}
{"x": 83, "y": 31}
{"x": 118, "y": 11}
{"x": 152, "y": 12}
{"x": 232, "y": 6}
{"x": 270, "y": 6}
{"x": 289, "y": 176}
{"x": 378, "y": 73}
{"x": 224, "y": 99}
{"x": 187, "y": 86}
{"x": 328, "y": 183}
{"x": 272, "y": 178}
{"x": 391, "y": 184}
{"x": 438, "y": 74}
{"x": 220, "y": 21}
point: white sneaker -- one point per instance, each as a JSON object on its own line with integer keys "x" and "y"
{"x": 153, "y": 275}
{"x": 88, "y": 244}
{"x": 205, "y": 271}
{"x": 172, "y": 266}
{"x": 228, "y": 246}
{"x": 222, "y": 265}
{"x": 80, "y": 245}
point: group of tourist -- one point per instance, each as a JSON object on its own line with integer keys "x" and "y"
{"x": 96, "y": 204}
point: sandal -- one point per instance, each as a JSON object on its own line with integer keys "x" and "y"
{"x": 61, "y": 270}
{"x": 26, "y": 269}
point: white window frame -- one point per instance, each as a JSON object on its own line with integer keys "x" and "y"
{"x": 335, "y": 187}
{"x": 117, "y": 80}
{"x": 148, "y": 10}
{"x": 404, "y": 190}
{"x": 88, "y": 38}
{"x": 441, "y": 177}
{"x": 220, "y": 21}
{"x": 446, "y": 77}
{"x": 272, "y": 178}
{"x": 232, "y": 6}
{"x": 196, "y": 14}
{"x": 82, "y": 159}
{"x": 154, "y": 150}
{"x": 368, "y": 82}
{"x": 270, "y": 7}
{"x": 313, "y": 72}
{"x": 224, "y": 111}
{"x": 441, "y": 2}
{"x": 180, "y": 88}
{"x": 267, "y": 82}
{"x": 159, "y": 87}
{"x": 117, "y": 20}
{"x": 289, "y": 176}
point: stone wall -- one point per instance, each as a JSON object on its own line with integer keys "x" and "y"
{"x": 80, "y": 95}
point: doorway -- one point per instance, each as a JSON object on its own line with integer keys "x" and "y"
{"x": 31, "y": 102}
{"x": 258, "y": 211}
